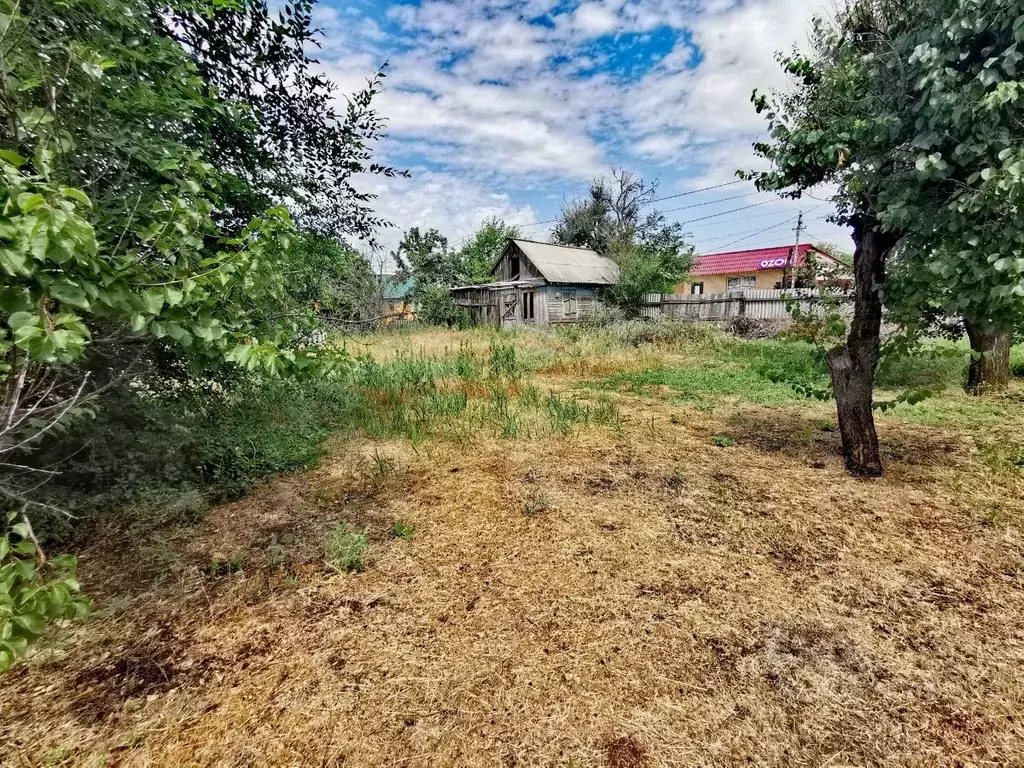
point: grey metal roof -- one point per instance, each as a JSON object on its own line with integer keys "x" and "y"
{"x": 565, "y": 264}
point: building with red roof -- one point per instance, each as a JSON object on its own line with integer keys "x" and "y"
{"x": 756, "y": 269}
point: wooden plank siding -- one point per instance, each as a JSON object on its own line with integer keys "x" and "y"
{"x": 755, "y": 304}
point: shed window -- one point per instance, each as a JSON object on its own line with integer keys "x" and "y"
{"x": 528, "y": 305}
{"x": 513, "y": 267}
{"x": 569, "y": 305}
{"x": 697, "y": 289}
{"x": 745, "y": 283}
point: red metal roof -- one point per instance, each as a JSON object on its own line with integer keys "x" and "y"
{"x": 758, "y": 259}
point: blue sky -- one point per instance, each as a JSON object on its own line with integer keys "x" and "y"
{"x": 508, "y": 107}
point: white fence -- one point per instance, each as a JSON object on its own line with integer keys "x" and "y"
{"x": 756, "y": 304}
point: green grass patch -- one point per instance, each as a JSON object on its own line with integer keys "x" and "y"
{"x": 707, "y": 385}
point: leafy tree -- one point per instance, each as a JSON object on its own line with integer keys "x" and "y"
{"x": 132, "y": 228}
{"x": 435, "y": 268}
{"x": 329, "y": 277}
{"x": 428, "y": 258}
{"x": 908, "y": 107}
{"x": 436, "y": 306}
{"x": 842, "y": 124}
{"x": 588, "y": 222}
{"x": 959, "y": 204}
{"x": 479, "y": 254}
{"x": 652, "y": 254}
{"x": 284, "y": 140}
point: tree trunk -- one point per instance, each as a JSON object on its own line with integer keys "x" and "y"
{"x": 990, "y": 357}
{"x": 854, "y": 365}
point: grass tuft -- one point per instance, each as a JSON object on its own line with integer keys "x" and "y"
{"x": 346, "y": 549}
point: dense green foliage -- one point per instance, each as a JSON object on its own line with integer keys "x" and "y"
{"x": 154, "y": 285}
{"x": 283, "y": 138}
{"x": 34, "y": 590}
{"x": 913, "y": 109}
{"x": 481, "y": 252}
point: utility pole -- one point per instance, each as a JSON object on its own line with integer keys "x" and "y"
{"x": 791, "y": 262}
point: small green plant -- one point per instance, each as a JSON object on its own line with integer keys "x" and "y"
{"x": 402, "y": 530}
{"x": 510, "y": 427}
{"x": 225, "y": 566}
{"x": 503, "y": 360}
{"x": 722, "y": 441}
{"x": 381, "y": 468}
{"x": 826, "y": 425}
{"x": 34, "y": 591}
{"x": 535, "y": 502}
{"x": 346, "y": 549}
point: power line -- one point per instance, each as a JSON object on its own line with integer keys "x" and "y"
{"x": 727, "y": 235}
{"x": 766, "y": 229}
{"x": 743, "y": 218}
{"x": 695, "y": 191}
{"x": 668, "y": 197}
{"x": 710, "y": 202}
{"x": 755, "y": 234}
{"x": 723, "y": 213}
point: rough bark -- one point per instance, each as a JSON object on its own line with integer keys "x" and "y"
{"x": 854, "y": 365}
{"x": 990, "y": 357}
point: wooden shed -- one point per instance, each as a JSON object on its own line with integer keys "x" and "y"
{"x": 539, "y": 284}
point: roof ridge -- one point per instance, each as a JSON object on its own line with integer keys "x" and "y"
{"x": 554, "y": 245}
{"x": 752, "y": 250}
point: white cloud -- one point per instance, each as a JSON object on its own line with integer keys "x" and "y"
{"x": 595, "y": 19}
{"x": 449, "y": 202}
{"x": 500, "y": 103}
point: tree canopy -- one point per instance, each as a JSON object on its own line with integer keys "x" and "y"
{"x": 909, "y": 108}
{"x": 652, "y": 254}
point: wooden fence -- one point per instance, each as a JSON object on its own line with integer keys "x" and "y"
{"x": 755, "y": 304}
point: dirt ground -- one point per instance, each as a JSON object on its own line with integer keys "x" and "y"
{"x": 649, "y": 596}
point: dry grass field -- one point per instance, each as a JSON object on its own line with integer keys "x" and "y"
{"x": 625, "y": 550}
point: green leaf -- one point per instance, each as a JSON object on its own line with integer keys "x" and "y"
{"x": 21, "y": 319}
{"x": 77, "y": 195}
{"x": 12, "y": 158}
{"x": 29, "y": 201}
{"x": 70, "y": 293}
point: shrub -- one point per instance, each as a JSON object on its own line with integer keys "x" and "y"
{"x": 752, "y": 328}
{"x": 346, "y": 549}
{"x": 603, "y": 315}
{"x": 535, "y": 502}
{"x": 157, "y": 451}
{"x": 437, "y": 307}
{"x": 633, "y": 333}
{"x": 34, "y": 591}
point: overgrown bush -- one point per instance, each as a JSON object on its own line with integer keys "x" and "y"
{"x": 437, "y": 307}
{"x": 157, "y": 451}
{"x": 633, "y": 333}
{"x": 753, "y": 328}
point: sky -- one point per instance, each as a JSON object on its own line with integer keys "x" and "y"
{"x": 508, "y": 108}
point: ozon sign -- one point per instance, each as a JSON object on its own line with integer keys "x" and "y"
{"x": 772, "y": 263}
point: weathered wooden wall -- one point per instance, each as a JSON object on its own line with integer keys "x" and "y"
{"x": 526, "y": 269}
{"x": 504, "y": 306}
